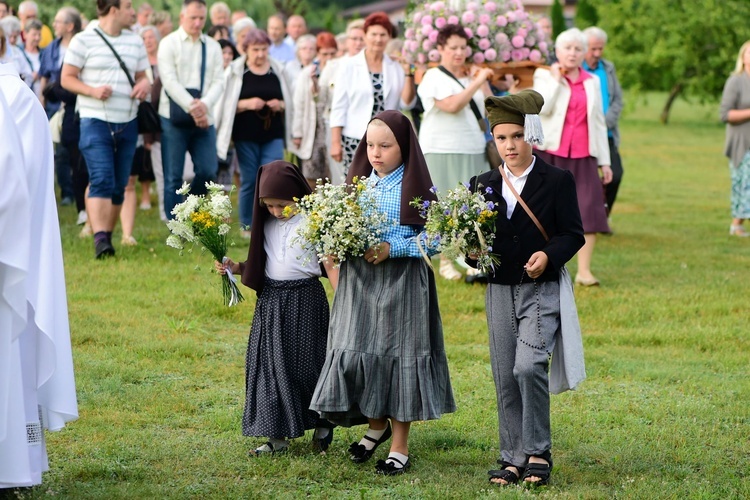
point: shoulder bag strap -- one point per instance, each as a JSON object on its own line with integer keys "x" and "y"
{"x": 203, "y": 63}
{"x": 122, "y": 64}
{"x": 472, "y": 104}
{"x": 523, "y": 203}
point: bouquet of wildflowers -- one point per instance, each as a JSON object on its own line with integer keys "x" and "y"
{"x": 341, "y": 221}
{"x": 461, "y": 223}
{"x": 498, "y": 31}
{"x": 203, "y": 219}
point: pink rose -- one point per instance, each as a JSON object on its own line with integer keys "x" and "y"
{"x": 417, "y": 17}
{"x": 521, "y": 14}
{"x": 522, "y": 32}
{"x": 453, "y": 20}
{"x": 421, "y": 59}
{"x": 478, "y": 58}
{"x": 517, "y": 41}
{"x": 426, "y": 45}
{"x": 505, "y": 55}
{"x": 525, "y": 52}
{"x": 427, "y": 29}
{"x": 501, "y": 38}
{"x": 490, "y": 7}
{"x": 484, "y": 44}
{"x": 485, "y": 19}
{"x": 433, "y": 36}
{"x": 516, "y": 55}
{"x": 440, "y": 22}
{"x": 472, "y": 6}
{"x": 530, "y": 41}
{"x": 409, "y": 34}
{"x": 483, "y": 30}
{"x": 468, "y": 52}
{"x": 427, "y": 19}
{"x": 543, "y": 46}
{"x": 535, "y": 56}
{"x": 437, "y": 6}
{"x": 510, "y": 16}
{"x": 433, "y": 55}
{"x": 469, "y": 33}
{"x": 501, "y": 21}
{"x": 490, "y": 55}
{"x": 468, "y": 17}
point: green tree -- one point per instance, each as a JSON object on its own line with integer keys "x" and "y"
{"x": 557, "y": 18}
{"x": 586, "y": 14}
{"x": 678, "y": 46}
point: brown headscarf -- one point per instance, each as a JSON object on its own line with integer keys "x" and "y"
{"x": 281, "y": 180}
{"x": 417, "y": 181}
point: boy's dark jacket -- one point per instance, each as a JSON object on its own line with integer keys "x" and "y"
{"x": 550, "y": 193}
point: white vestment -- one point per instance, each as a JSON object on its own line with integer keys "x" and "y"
{"x": 42, "y": 376}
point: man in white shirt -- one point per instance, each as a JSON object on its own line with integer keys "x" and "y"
{"x": 108, "y": 106}
{"x": 279, "y": 50}
{"x": 192, "y": 73}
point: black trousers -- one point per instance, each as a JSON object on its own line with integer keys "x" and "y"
{"x": 610, "y": 190}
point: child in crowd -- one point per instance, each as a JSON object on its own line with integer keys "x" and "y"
{"x": 287, "y": 343}
{"x": 529, "y": 296}
{"x": 386, "y": 358}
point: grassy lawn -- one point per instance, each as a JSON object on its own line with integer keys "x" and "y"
{"x": 664, "y": 412}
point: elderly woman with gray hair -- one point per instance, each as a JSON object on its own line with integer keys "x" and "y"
{"x": 255, "y": 113}
{"x": 576, "y": 137}
{"x": 305, "y": 51}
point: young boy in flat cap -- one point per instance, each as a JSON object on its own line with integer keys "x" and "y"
{"x": 523, "y": 294}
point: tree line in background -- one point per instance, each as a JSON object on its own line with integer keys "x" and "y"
{"x": 682, "y": 47}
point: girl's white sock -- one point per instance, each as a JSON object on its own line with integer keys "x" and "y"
{"x": 372, "y": 433}
{"x": 398, "y": 456}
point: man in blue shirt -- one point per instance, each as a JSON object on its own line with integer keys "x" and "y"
{"x": 612, "y": 102}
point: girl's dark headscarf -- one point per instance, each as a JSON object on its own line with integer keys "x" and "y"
{"x": 281, "y": 180}
{"x": 417, "y": 181}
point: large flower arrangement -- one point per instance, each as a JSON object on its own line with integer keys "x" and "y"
{"x": 498, "y": 30}
{"x": 341, "y": 221}
{"x": 461, "y": 223}
{"x": 202, "y": 219}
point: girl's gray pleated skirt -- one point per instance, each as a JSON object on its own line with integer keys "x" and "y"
{"x": 285, "y": 354}
{"x": 386, "y": 356}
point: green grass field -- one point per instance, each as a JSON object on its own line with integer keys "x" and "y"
{"x": 665, "y": 412}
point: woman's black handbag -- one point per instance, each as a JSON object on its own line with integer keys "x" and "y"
{"x": 148, "y": 118}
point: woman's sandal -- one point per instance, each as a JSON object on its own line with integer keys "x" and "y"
{"x": 506, "y": 474}
{"x": 267, "y": 449}
{"x": 389, "y": 469}
{"x": 542, "y": 471}
{"x": 359, "y": 454}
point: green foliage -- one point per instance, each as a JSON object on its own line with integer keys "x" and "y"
{"x": 160, "y": 362}
{"x": 557, "y": 18}
{"x": 586, "y": 14}
{"x": 662, "y": 44}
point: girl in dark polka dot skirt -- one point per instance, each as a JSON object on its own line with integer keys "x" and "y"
{"x": 287, "y": 345}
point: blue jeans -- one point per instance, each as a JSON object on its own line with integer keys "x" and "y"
{"x": 108, "y": 149}
{"x": 175, "y": 142}
{"x": 251, "y": 155}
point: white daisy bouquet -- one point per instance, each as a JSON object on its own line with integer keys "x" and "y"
{"x": 341, "y": 221}
{"x": 461, "y": 223}
{"x": 202, "y": 219}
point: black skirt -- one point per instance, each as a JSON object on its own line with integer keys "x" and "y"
{"x": 285, "y": 354}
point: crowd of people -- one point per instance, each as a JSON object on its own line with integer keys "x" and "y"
{"x": 235, "y": 101}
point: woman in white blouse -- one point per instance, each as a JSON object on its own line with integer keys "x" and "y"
{"x": 451, "y": 135}
{"x": 367, "y": 84}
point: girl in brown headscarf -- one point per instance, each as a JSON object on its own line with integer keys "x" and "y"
{"x": 287, "y": 343}
{"x": 386, "y": 358}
